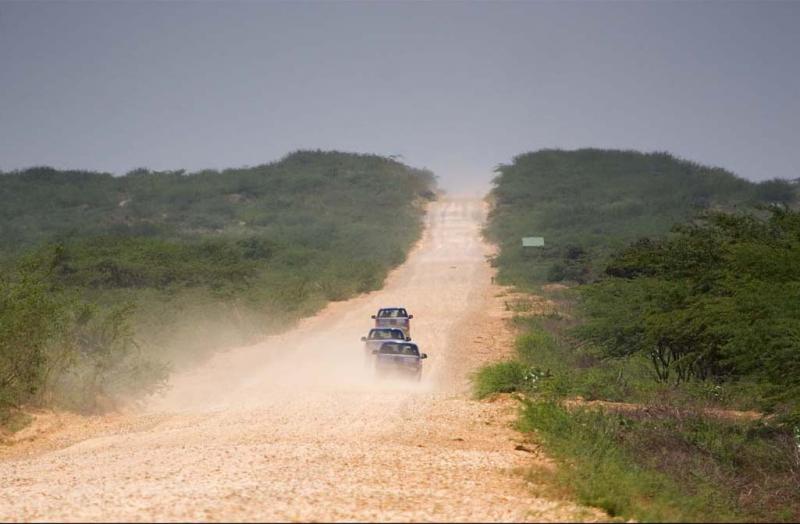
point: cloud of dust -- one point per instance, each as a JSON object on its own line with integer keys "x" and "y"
{"x": 313, "y": 358}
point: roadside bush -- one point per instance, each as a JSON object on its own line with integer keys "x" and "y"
{"x": 33, "y": 321}
{"x": 106, "y": 364}
{"x": 503, "y": 377}
{"x": 55, "y": 349}
{"x": 715, "y": 301}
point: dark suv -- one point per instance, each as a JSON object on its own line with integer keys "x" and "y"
{"x": 400, "y": 358}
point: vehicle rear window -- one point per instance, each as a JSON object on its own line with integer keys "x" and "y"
{"x": 392, "y": 313}
{"x": 400, "y": 349}
{"x": 383, "y": 334}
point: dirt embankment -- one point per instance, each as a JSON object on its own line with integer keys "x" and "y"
{"x": 297, "y": 428}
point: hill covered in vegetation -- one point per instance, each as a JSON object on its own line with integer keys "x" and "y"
{"x": 589, "y": 202}
{"x": 666, "y": 381}
{"x": 108, "y": 280}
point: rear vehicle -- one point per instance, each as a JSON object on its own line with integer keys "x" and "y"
{"x": 394, "y": 317}
{"x": 399, "y": 358}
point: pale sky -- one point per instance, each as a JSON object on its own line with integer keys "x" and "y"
{"x": 457, "y": 87}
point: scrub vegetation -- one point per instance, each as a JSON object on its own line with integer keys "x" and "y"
{"x": 665, "y": 375}
{"x": 108, "y": 282}
{"x": 590, "y": 203}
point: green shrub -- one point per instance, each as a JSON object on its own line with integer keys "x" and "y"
{"x": 56, "y": 349}
{"x": 33, "y": 324}
{"x": 715, "y": 301}
{"x": 503, "y": 377}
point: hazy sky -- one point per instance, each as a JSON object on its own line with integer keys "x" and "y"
{"x": 454, "y": 86}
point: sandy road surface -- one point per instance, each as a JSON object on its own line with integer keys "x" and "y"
{"x": 296, "y": 428}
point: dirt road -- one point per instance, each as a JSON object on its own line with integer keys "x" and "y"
{"x": 296, "y": 428}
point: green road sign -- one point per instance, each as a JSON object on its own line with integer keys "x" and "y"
{"x": 532, "y": 241}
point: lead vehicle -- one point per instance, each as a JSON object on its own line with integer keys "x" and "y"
{"x": 394, "y": 317}
{"x": 399, "y": 358}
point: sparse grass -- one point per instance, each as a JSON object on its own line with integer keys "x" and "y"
{"x": 664, "y": 461}
{"x": 573, "y": 371}
{"x": 503, "y": 377}
{"x": 667, "y": 466}
{"x": 601, "y": 472}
